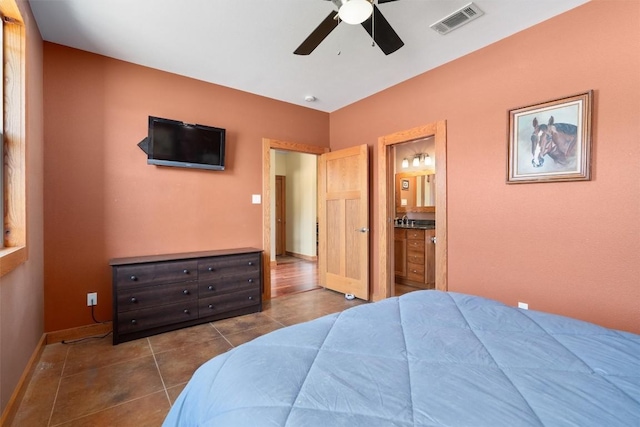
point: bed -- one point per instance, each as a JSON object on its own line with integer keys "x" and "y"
{"x": 427, "y": 358}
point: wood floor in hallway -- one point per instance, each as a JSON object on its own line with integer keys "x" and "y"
{"x": 292, "y": 275}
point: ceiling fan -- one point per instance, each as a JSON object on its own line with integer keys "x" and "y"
{"x": 363, "y": 12}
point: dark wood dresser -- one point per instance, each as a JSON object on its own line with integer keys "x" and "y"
{"x": 160, "y": 293}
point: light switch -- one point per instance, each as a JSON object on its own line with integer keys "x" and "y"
{"x": 256, "y": 199}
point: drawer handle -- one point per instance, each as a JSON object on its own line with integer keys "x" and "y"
{"x": 186, "y": 292}
{"x": 211, "y": 288}
{"x": 250, "y": 262}
{"x": 134, "y": 300}
{"x": 210, "y": 268}
{"x": 185, "y": 311}
{"x": 210, "y": 306}
{"x": 185, "y": 271}
{"x": 251, "y": 298}
{"x": 133, "y": 278}
{"x": 134, "y": 321}
{"x": 250, "y": 280}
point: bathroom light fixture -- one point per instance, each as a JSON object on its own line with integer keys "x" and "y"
{"x": 427, "y": 160}
{"x": 355, "y": 12}
{"x": 405, "y": 163}
{"x": 416, "y": 160}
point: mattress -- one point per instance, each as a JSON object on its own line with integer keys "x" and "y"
{"x": 427, "y": 358}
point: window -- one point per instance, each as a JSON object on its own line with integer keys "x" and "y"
{"x": 13, "y": 250}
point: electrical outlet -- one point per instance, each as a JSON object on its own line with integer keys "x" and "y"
{"x": 92, "y": 299}
{"x": 523, "y": 305}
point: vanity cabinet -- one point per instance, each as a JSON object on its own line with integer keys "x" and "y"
{"x": 415, "y": 257}
{"x": 160, "y": 293}
{"x": 400, "y": 251}
{"x": 430, "y": 258}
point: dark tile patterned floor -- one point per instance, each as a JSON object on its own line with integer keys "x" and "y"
{"x": 93, "y": 383}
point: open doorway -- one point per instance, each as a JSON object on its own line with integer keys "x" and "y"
{"x": 387, "y": 204}
{"x": 294, "y": 268}
{"x": 269, "y": 149}
{"x": 414, "y": 172}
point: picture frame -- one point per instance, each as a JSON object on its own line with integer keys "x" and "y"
{"x": 551, "y": 141}
{"x": 405, "y": 184}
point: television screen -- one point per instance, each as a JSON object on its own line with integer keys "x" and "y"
{"x": 174, "y": 143}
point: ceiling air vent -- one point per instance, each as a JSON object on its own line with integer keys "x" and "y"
{"x": 457, "y": 19}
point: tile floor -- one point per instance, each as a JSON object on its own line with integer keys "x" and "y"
{"x": 93, "y": 383}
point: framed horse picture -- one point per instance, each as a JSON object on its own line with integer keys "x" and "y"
{"x": 551, "y": 141}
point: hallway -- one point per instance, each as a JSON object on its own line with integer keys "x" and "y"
{"x": 293, "y": 275}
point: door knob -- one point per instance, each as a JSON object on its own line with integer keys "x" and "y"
{"x": 433, "y": 239}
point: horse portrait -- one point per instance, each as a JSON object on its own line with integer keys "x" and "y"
{"x": 556, "y": 140}
{"x": 551, "y": 141}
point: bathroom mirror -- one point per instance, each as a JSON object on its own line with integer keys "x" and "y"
{"x": 416, "y": 191}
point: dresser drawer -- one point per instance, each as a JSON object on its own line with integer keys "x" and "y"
{"x": 139, "y": 320}
{"x": 155, "y": 273}
{"x": 415, "y": 244}
{"x": 415, "y": 257}
{"x": 415, "y": 234}
{"x": 223, "y": 266}
{"x": 415, "y": 272}
{"x": 248, "y": 280}
{"x": 226, "y": 302}
{"x": 150, "y": 296}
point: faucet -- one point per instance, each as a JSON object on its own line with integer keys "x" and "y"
{"x": 405, "y": 220}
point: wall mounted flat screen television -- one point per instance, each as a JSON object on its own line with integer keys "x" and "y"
{"x": 174, "y": 143}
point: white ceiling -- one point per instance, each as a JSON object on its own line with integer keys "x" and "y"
{"x": 248, "y": 44}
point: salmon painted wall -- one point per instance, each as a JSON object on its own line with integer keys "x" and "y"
{"x": 21, "y": 291}
{"x": 103, "y": 201}
{"x": 571, "y": 248}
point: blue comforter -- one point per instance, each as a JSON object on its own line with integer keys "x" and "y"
{"x": 426, "y": 358}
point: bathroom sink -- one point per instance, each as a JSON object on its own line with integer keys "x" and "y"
{"x": 418, "y": 225}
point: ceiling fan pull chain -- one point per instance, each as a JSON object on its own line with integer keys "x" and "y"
{"x": 373, "y": 27}
{"x": 340, "y": 49}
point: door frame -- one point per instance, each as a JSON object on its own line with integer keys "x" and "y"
{"x": 386, "y": 204}
{"x": 269, "y": 144}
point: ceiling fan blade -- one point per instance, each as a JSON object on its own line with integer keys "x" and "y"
{"x": 385, "y": 36}
{"x": 317, "y": 35}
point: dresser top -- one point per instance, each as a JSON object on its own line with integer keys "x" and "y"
{"x": 181, "y": 256}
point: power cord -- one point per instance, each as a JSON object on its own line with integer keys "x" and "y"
{"x": 93, "y": 316}
{"x": 96, "y": 337}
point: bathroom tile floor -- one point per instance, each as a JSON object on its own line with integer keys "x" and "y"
{"x": 94, "y": 383}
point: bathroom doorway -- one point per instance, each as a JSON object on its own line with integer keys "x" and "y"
{"x": 387, "y": 204}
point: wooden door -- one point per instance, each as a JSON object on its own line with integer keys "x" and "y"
{"x": 343, "y": 216}
{"x": 281, "y": 215}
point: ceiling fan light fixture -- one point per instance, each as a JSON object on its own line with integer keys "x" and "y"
{"x": 355, "y": 12}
